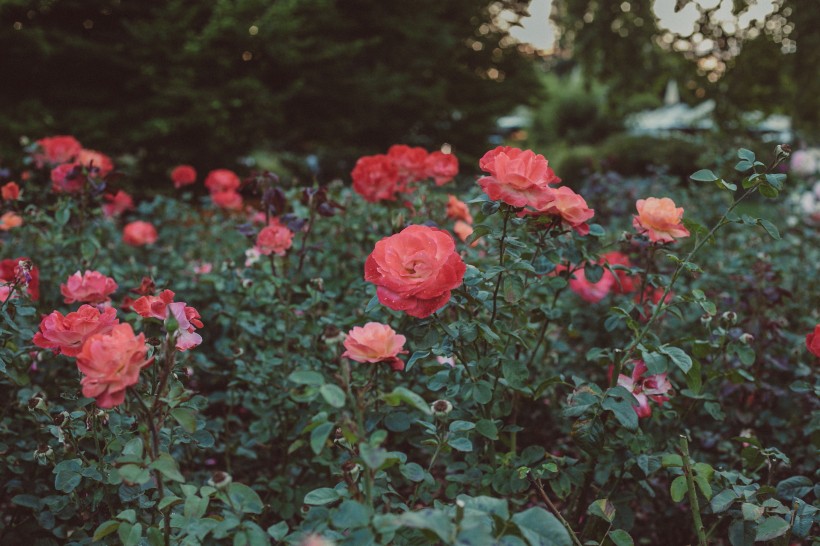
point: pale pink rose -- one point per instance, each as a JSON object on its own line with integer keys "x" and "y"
{"x": 375, "y": 342}
{"x": 88, "y": 287}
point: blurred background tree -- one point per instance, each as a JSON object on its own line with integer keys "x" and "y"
{"x": 206, "y": 82}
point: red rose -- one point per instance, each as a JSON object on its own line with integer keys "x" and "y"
{"x": 10, "y": 192}
{"x": 441, "y": 167}
{"x": 409, "y": 162}
{"x": 415, "y": 270}
{"x": 813, "y": 341}
{"x": 139, "y": 233}
{"x": 56, "y": 149}
{"x": 183, "y": 175}
{"x": 376, "y": 178}
{"x": 222, "y": 180}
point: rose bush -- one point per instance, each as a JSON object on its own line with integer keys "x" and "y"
{"x": 375, "y": 379}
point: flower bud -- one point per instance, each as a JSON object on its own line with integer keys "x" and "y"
{"x": 782, "y": 152}
{"x": 746, "y": 338}
{"x": 171, "y": 324}
{"x": 706, "y": 319}
{"x": 62, "y": 419}
{"x": 441, "y": 408}
{"x": 729, "y": 317}
{"x": 43, "y": 454}
{"x": 38, "y": 402}
{"x": 220, "y": 480}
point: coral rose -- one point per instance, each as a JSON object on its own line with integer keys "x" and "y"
{"x": 571, "y": 208}
{"x": 66, "y": 334}
{"x": 457, "y": 209}
{"x": 275, "y": 238}
{"x": 67, "y": 178}
{"x": 163, "y": 306}
{"x": 813, "y": 341}
{"x": 222, "y": 180}
{"x": 415, "y": 270}
{"x": 20, "y": 270}
{"x": 139, "y": 233}
{"x": 376, "y": 178}
{"x": 111, "y": 363}
{"x": 375, "y": 342}
{"x": 229, "y": 200}
{"x": 589, "y": 291}
{"x": 463, "y": 230}
{"x": 92, "y": 159}
{"x": 89, "y": 287}
{"x": 518, "y": 178}
{"x": 659, "y": 220}
{"x": 56, "y": 149}
{"x": 183, "y": 175}
{"x": 9, "y": 221}
{"x": 154, "y": 306}
{"x": 441, "y": 167}
{"x": 117, "y": 203}
{"x": 409, "y": 162}
{"x": 10, "y": 191}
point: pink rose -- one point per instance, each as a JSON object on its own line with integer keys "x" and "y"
{"x": 92, "y": 159}
{"x": 10, "y": 191}
{"x": 228, "y": 200}
{"x": 571, "y": 208}
{"x": 659, "y": 220}
{"x": 441, "y": 167}
{"x": 139, "y": 233}
{"x": 66, "y": 334}
{"x": 644, "y": 388}
{"x": 117, "y": 203}
{"x": 67, "y": 178}
{"x": 222, "y": 180}
{"x": 183, "y": 175}
{"x": 154, "y": 306}
{"x": 55, "y": 150}
{"x": 375, "y": 342}
{"x": 275, "y": 238}
{"x": 518, "y": 178}
{"x": 813, "y": 341}
{"x": 89, "y": 287}
{"x": 15, "y": 270}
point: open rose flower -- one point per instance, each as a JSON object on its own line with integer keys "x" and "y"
{"x": 441, "y": 167}
{"x": 10, "y": 191}
{"x": 593, "y": 292}
{"x": 659, "y": 220}
{"x": 275, "y": 238}
{"x": 10, "y": 220}
{"x": 409, "y": 162}
{"x": 55, "y": 150}
{"x": 20, "y": 270}
{"x": 154, "y": 306}
{"x": 652, "y": 387}
{"x": 162, "y": 307}
{"x": 67, "y": 178}
{"x": 183, "y": 175}
{"x": 96, "y": 162}
{"x": 813, "y": 341}
{"x": 570, "y": 207}
{"x": 222, "y": 180}
{"x": 376, "y": 178}
{"x": 458, "y": 210}
{"x": 88, "y": 287}
{"x": 415, "y": 270}
{"x": 117, "y": 203}
{"x": 463, "y": 230}
{"x": 517, "y": 177}
{"x": 375, "y": 342}
{"x": 228, "y": 200}
{"x": 66, "y": 334}
{"x": 139, "y": 233}
{"x": 111, "y": 362}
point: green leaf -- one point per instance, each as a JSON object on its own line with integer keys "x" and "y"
{"x": 776, "y": 180}
{"x": 278, "y": 531}
{"x": 743, "y": 166}
{"x": 751, "y": 512}
{"x": 63, "y": 214}
{"x": 723, "y": 500}
{"x": 770, "y": 228}
{"x": 333, "y": 395}
{"x": 771, "y": 527}
{"x": 768, "y": 191}
{"x": 412, "y": 471}
{"x": 67, "y": 481}
{"x": 487, "y": 428}
{"x": 541, "y": 528}
{"x": 461, "y": 426}
{"x": 515, "y": 372}
{"x": 460, "y": 444}
{"x": 623, "y": 411}
{"x": 794, "y": 487}
{"x": 321, "y": 496}
{"x": 621, "y": 538}
{"x": 678, "y": 356}
{"x": 678, "y": 488}
{"x": 431, "y": 520}
{"x": 130, "y": 534}
{"x": 186, "y": 417}
{"x": 402, "y": 394}
{"x": 105, "y": 529}
{"x": 29, "y": 501}
{"x": 513, "y": 288}
{"x": 671, "y": 459}
{"x": 350, "y": 515}
{"x": 195, "y": 507}
{"x": 745, "y": 154}
{"x": 704, "y": 175}
{"x": 245, "y": 499}
{"x": 168, "y": 466}
{"x": 742, "y": 533}
{"x": 306, "y": 377}
{"x": 319, "y": 436}
{"x": 373, "y": 457}
{"x": 603, "y": 509}
{"x": 488, "y": 505}
{"x": 703, "y": 484}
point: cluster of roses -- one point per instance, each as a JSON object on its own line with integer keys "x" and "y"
{"x": 109, "y": 354}
{"x": 9, "y": 193}
{"x": 382, "y": 177}
{"x": 72, "y": 166}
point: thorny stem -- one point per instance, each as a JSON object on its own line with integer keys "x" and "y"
{"x": 501, "y": 263}
{"x": 693, "y": 494}
{"x": 543, "y": 494}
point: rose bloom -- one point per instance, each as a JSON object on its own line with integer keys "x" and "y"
{"x": 92, "y": 159}
{"x": 571, "y": 208}
{"x": 163, "y": 306}
{"x": 154, "y": 306}
{"x": 458, "y": 210}
{"x": 139, "y": 233}
{"x": 591, "y": 292}
{"x": 222, "y": 180}
{"x": 659, "y": 220}
{"x": 229, "y": 200}
{"x": 463, "y": 230}
{"x": 518, "y": 178}
{"x": 111, "y": 363}
{"x": 376, "y": 178}
{"x": 67, "y": 178}
{"x": 624, "y": 282}
{"x": 66, "y": 334}
{"x": 117, "y": 203}
{"x": 441, "y": 167}
{"x": 644, "y": 388}
{"x": 56, "y": 149}
{"x": 10, "y": 191}
{"x": 813, "y": 341}
{"x": 375, "y": 342}
{"x": 275, "y": 238}
{"x": 11, "y": 271}
{"x": 415, "y": 270}
{"x": 9, "y": 221}
{"x": 183, "y": 175}
{"x": 89, "y": 287}
{"x": 6, "y": 293}
{"x": 409, "y": 162}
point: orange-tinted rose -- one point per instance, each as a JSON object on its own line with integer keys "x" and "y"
{"x": 56, "y": 149}
{"x": 117, "y": 203}
{"x": 94, "y": 160}
{"x": 275, "y": 238}
{"x": 88, "y": 287}
{"x": 375, "y": 342}
{"x": 571, "y": 208}
{"x": 415, "y": 270}
{"x": 183, "y": 175}
{"x": 463, "y": 230}
{"x": 66, "y": 334}
{"x": 517, "y": 177}
{"x": 111, "y": 363}
{"x": 10, "y": 220}
{"x": 10, "y": 191}
{"x": 813, "y": 341}
{"x": 659, "y": 220}
{"x": 457, "y": 210}
{"x": 441, "y": 167}
{"x": 139, "y": 233}
{"x": 154, "y": 306}
{"x": 222, "y": 180}
{"x": 376, "y": 178}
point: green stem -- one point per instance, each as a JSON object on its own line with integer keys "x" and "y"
{"x": 501, "y": 263}
{"x": 543, "y": 494}
{"x": 693, "y": 494}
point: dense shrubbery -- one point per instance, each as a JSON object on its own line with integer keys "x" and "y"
{"x": 548, "y": 377}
